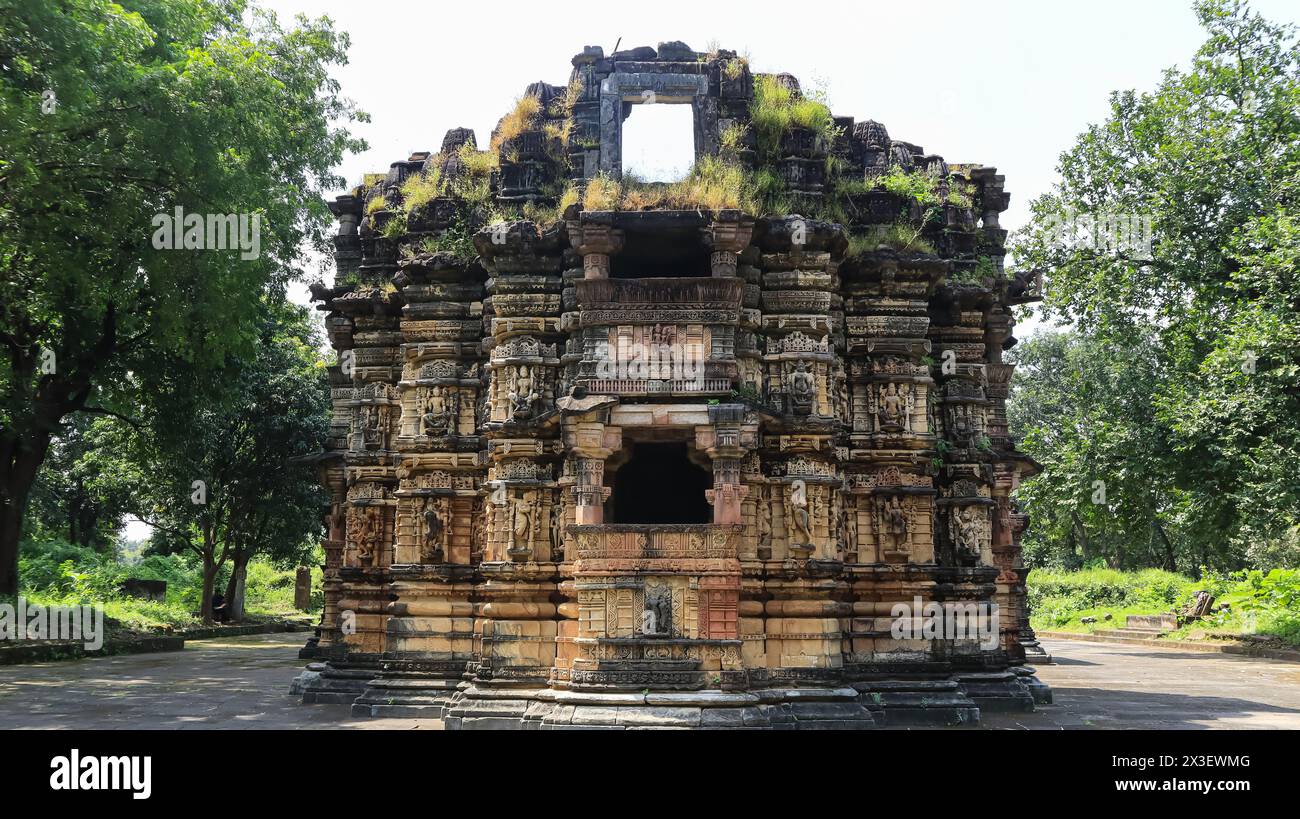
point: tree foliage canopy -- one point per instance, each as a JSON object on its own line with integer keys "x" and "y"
{"x": 111, "y": 114}
{"x": 1180, "y": 383}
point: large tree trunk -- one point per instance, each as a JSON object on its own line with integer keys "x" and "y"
{"x": 24, "y": 444}
{"x": 1083, "y": 536}
{"x": 210, "y": 569}
{"x": 1171, "y": 560}
{"x": 235, "y": 586}
{"x": 20, "y": 460}
{"x": 209, "y": 584}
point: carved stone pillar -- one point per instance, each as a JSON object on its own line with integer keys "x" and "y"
{"x": 726, "y": 444}
{"x": 727, "y": 236}
{"x": 595, "y": 240}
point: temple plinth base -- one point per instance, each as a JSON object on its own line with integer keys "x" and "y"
{"x": 931, "y": 702}
{"x": 997, "y": 690}
{"x": 332, "y": 683}
{"x": 422, "y": 697}
{"x": 479, "y": 707}
{"x": 1039, "y": 690}
{"x": 1035, "y": 654}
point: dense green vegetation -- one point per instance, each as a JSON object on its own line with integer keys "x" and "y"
{"x": 56, "y": 572}
{"x": 1167, "y": 414}
{"x": 1259, "y": 604}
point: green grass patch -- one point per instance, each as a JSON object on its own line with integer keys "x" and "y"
{"x": 1261, "y": 606}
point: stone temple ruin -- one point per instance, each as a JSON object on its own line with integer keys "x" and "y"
{"x": 712, "y": 453}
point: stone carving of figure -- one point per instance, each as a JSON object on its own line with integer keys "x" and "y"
{"x": 367, "y": 534}
{"x": 801, "y": 520}
{"x": 521, "y": 528}
{"x": 803, "y": 385}
{"x": 763, "y": 511}
{"x": 336, "y": 521}
{"x": 891, "y": 408}
{"x": 557, "y": 533}
{"x": 523, "y": 396}
{"x": 967, "y": 532}
{"x": 850, "y": 527}
{"x": 437, "y": 419}
{"x": 435, "y": 529}
{"x": 658, "y": 616}
{"x": 838, "y": 398}
{"x": 896, "y": 521}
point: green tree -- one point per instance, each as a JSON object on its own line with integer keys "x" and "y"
{"x": 1212, "y": 158}
{"x": 1082, "y": 409}
{"x": 110, "y": 114}
{"x": 80, "y": 493}
{"x": 215, "y": 471}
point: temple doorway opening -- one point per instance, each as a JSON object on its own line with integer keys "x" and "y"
{"x": 660, "y": 484}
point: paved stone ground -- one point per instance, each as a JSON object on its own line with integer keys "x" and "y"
{"x": 235, "y": 682}
{"x": 1107, "y": 685}
{"x": 242, "y": 682}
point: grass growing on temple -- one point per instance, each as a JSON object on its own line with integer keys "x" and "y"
{"x": 1260, "y": 605}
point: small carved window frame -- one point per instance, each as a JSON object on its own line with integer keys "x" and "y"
{"x": 640, "y": 88}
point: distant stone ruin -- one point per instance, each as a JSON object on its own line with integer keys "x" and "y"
{"x": 714, "y": 453}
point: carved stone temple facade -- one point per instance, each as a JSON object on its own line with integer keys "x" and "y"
{"x": 671, "y": 467}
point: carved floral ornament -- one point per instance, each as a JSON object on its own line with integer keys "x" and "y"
{"x": 523, "y": 347}
{"x": 889, "y": 477}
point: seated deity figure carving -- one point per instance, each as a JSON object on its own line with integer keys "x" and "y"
{"x": 803, "y": 385}
{"x": 523, "y": 396}
{"x": 893, "y": 409}
{"x": 437, "y": 418}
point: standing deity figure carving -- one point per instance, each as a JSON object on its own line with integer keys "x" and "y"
{"x": 523, "y": 396}
{"x": 435, "y": 530}
{"x": 967, "y": 531}
{"x": 891, "y": 408}
{"x": 557, "y": 533}
{"x": 849, "y": 527}
{"x": 336, "y": 523}
{"x": 763, "y": 511}
{"x": 800, "y": 519}
{"x": 366, "y": 530}
{"x": 522, "y": 518}
{"x": 656, "y": 620}
{"x": 802, "y": 386}
{"x": 895, "y": 521}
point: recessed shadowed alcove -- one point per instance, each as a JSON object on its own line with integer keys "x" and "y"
{"x": 661, "y": 244}
{"x": 660, "y": 484}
